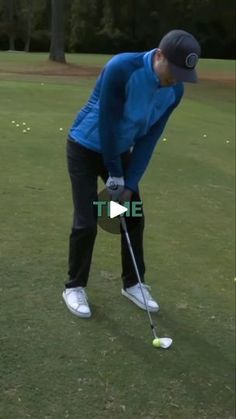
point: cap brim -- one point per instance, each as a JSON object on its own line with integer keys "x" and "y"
{"x": 183, "y": 74}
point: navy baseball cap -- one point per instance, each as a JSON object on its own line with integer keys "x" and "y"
{"x": 182, "y": 51}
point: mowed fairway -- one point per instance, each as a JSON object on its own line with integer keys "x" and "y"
{"x": 54, "y": 365}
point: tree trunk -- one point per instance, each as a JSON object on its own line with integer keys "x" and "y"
{"x": 57, "y": 52}
{"x": 11, "y": 24}
{"x": 29, "y": 25}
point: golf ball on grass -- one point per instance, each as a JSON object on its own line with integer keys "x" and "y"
{"x": 156, "y": 343}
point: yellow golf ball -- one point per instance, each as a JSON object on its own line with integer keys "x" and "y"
{"x": 156, "y": 343}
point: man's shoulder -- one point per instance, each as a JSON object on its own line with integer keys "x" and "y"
{"x": 125, "y": 62}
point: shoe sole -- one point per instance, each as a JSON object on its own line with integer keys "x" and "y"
{"x": 76, "y": 313}
{"x": 138, "y": 303}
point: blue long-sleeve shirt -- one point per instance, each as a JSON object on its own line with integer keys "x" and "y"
{"x": 127, "y": 108}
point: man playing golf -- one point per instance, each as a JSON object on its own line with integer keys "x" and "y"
{"x": 113, "y": 136}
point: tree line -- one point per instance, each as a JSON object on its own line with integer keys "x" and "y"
{"x": 111, "y": 26}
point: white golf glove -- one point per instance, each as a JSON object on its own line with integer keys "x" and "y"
{"x": 115, "y": 187}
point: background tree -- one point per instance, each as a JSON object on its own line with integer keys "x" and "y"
{"x": 85, "y": 21}
{"x": 57, "y": 46}
{"x": 29, "y": 23}
{"x": 8, "y": 22}
{"x": 111, "y": 26}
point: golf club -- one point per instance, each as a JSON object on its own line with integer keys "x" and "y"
{"x": 165, "y": 342}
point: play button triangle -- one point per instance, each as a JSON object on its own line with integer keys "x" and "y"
{"x": 116, "y": 209}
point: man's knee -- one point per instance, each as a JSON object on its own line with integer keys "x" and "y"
{"x": 84, "y": 221}
{"x": 86, "y": 230}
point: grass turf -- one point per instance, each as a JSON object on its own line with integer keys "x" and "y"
{"x": 57, "y": 366}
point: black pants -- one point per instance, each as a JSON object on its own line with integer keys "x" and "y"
{"x": 84, "y": 167}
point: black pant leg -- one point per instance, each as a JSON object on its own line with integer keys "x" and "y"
{"x": 80, "y": 255}
{"x": 82, "y": 165}
{"x": 135, "y": 227}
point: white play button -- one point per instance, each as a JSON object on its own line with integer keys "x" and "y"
{"x": 116, "y": 209}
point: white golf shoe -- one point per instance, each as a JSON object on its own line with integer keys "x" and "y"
{"x": 135, "y": 294}
{"x": 77, "y": 301}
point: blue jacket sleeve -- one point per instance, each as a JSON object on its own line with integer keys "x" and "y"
{"x": 143, "y": 150}
{"x": 112, "y": 99}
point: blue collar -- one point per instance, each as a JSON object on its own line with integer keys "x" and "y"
{"x": 148, "y": 64}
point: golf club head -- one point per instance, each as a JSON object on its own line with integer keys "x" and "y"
{"x": 165, "y": 343}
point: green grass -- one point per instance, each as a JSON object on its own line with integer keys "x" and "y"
{"x": 54, "y": 365}
{"x": 34, "y": 58}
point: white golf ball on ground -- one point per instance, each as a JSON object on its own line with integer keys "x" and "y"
{"x": 24, "y": 131}
{"x": 227, "y": 141}
{"x": 164, "y": 139}
{"x": 13, "y": 122}
{"x": 60, "y": 129}
{"x": 204, "y": 135}
{"x": 17, "y": 125}
{"x": 24, "y": 123}
{"x": 28, "y": 129}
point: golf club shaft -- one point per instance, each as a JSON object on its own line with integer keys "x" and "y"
{"x": 124, "y": 226}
